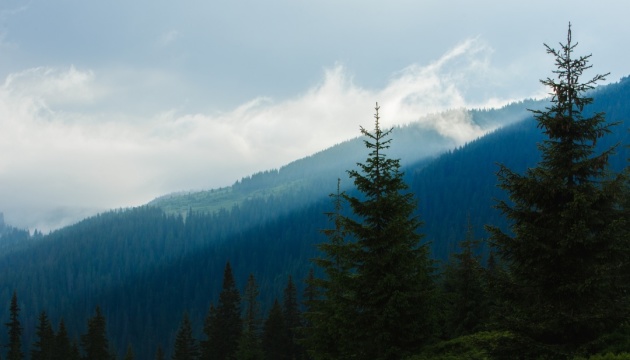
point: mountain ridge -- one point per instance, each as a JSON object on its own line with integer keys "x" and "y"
{"x": 145, "y": 267}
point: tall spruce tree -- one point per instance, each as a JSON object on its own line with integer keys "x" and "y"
{"x": 275, "y": 341}
{"x": 293, "y": 319}
{"x": 95, "y": 342}
{"x": 387, "y": 292}
{"x": 249, "y": 343}
{"x": 186, "y": 347}
{"x": 225, "y": 326}
{"x": 64, "y": 349}
{"x": 568, "y": 246}
{"x": 15, "y": 331}
{"x": 44, "y": 345}
{"x": 209, "y": 325}
{"x": 329, "y": 309}
{"x": 310, "y": 298}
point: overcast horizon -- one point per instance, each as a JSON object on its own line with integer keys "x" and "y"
{"x": 109, "y": 105}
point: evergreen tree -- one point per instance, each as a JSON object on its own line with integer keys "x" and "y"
{"x": 567, "y": 252}
{"x": 310, "y": 298}
{"x": 329, "y": 312}
{"x": 15, "y": 331}
{"x": 76, "y": 353}
{"x": 249, "y": 343}
{"x": 292, "y": 317}
{"x": 159, "y": 353}
{"x": 64, "y": 349}
{"x": 391, "y": 292}
{"x": 44, "y": 346}
{"x": 129, "y": 353}
{"x": 209, "y": 328}
{"x": 224, "y": 329}
{"x": 95, "y": 343}
{"x": 185, "y": 344}
{"x": 275, "y": 342}
{"x": 464, "y": 291}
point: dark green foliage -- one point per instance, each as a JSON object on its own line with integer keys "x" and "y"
{"x": 64, "y": 349}
{"x": 159, "y": 353}
{"x": 209, "y": 328}
{"x": 392, "y": 286}
{"x": 464, "y": 290}
{"x": 482, "y": 345}
{"x": 249, "y": 347}
{"x": 129, "y": 353}
{"x": 310, "y": 298}
{"x": 386, "y": 289}
{"x": 95, "y": 342}
{"x": 275, "y": 341}
{"x": 606, "y": 356}
{"x": 567, "y": 252}
{"x": 293, "y": 319}
{"x": 329, "y": 313}
{"x": 44, "y": 345}
{"x": 224, "y": 324}
{"x": 186, "y": 347}
{"x": 14, "y": 331}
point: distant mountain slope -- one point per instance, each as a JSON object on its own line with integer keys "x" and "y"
{"x": 311, "y": 176}
{"x": 145, "y": 267}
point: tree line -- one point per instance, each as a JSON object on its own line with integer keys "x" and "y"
{"x": 554, "y": 284}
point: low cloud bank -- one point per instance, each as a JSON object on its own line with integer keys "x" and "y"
{"x": 61, "y": 152}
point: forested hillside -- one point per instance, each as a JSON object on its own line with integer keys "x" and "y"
{"x": 146, "y": 266}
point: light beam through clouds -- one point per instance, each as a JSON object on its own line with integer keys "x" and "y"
{"x": 62, "y": 160}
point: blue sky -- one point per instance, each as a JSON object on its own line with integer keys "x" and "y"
{"x": 107, "y": 104}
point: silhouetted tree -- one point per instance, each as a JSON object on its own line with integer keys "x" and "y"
{"x": 44, "y": 345}
{"x": 464, "y": 292}
{"x": 225, "y": 326}
{"x": 95, "y": 342}
{"x": 293, "y": 319}
{"x": 249, "y": 343}
{"x": 567, "y": 252}
{"x": 15, "y": 331}
{"x": 275, "y": 342}
{"x": 185, "y": 344}
{"x": 390, "y": 297}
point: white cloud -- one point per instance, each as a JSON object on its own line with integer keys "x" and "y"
{"x": 56, "y": 157}
{"x": 54, "y": 87}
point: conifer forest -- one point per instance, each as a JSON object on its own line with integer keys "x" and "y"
{"x": 514, "y": 246}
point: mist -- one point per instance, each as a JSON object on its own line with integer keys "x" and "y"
{"x": 69, "y": 151}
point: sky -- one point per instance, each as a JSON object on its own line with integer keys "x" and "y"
{"x": 109, "y": 104}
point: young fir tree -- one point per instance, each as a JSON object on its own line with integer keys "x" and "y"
{"x": 463, "y": 290}
{"x": 567, "y": 250}
{"x": 389, "y": 298}
{"x": 64, "y": 349}
{"x": 275, "y": 341}
{"x": 293, "y": 319}
{"x": 329, "y": 313}
{"x": 226, "y": 326}
{"x": 15, "y": 331}
{"x": 95, "y": 343}
{"x": 185, "y": 344}
{"x": 44, "y": 345}
{"x": 249, "y": 343}
{"x": 209, "y": 325}
{"x": 310, "y": 298}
